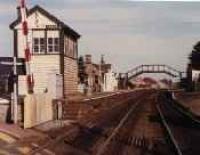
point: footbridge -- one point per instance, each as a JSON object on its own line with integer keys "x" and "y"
{"x": 155, "y": 68}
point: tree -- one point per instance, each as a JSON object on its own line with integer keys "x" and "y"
{"x": 195, "y": 56}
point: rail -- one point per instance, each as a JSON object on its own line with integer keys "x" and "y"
{"x": 172, "y": 138}
{"x": 115, "y": 131}
{"x": 77, "y": 127}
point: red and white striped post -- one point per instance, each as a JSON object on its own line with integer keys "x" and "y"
{"x": 27, "y": 52}
{"x": 27, "y": 55}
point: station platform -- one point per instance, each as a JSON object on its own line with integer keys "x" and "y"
{"x": 16, "y": 131}
{"x": 16, "y": 140}
{"x": 191, "y": 101}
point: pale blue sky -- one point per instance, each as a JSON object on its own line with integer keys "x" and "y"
{"x": 127, "y": 33}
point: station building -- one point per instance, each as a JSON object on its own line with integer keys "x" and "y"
{"x": 98, "y": 77}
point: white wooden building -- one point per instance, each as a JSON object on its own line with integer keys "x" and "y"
{"x": 54, "y": 47}
{"x": 195, "y": 75}
{"x": 110, "y": 82}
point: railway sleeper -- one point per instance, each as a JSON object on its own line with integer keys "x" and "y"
{"x": 132, "y": 141}
{"x": 90, "y": 135}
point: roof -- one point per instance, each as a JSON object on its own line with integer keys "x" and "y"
{"x": 66, "y": 28}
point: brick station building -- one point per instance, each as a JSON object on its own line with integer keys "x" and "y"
{"x": 98, "y": 77}
{"x": 54, "y": 47}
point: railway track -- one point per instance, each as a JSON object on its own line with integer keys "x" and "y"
{"x": 115, "y": 132}
{"x": 136, "y": 136}
{"x": 183, "y": 132}
{"x": 95, "y": 132}
{"x": 123, "y": 129}
{"x": 122, "y": 137}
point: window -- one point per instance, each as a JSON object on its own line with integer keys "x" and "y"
{"x": 56, "y": 46}
{"x": 38, "y": 45}
{"x": 50, "y": 45}
{"x": 42, "y": 45}
{"x": 71, "y": 48}
{"x": 75, "y": 50}
{"x": 66, "y": 46}
{"x": 71, "y": 52}
{"x": 53, "y": 45}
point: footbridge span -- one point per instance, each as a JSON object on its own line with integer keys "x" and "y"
{"x": 125, "y": 78}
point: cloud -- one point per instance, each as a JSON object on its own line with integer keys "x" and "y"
{"x": 151, "y": 19}
{"x": 7, "y": 6}
{"x": 139, "y": 49}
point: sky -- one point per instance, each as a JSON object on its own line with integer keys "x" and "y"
{"x": 127, "y": 33}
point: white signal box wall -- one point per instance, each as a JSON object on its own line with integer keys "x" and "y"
{"x": 55, "y": 86}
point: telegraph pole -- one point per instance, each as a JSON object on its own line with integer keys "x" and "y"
{"x": 102, "y": 62}
{"x": 15, "y": 96}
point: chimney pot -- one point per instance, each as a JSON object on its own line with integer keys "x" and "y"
{"x": 88, "y": 59}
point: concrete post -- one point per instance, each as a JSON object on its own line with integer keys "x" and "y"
{"x": 60, "y": 110}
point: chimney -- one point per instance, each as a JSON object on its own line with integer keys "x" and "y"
{"x": 88, "y": 59}
{"x": 18, "y": 12}
{"x": 102, "y": 60}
